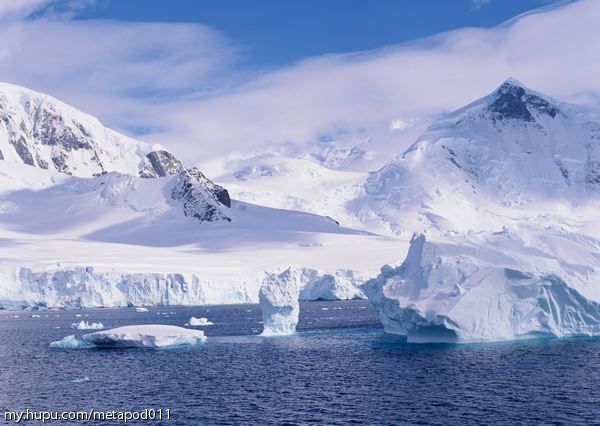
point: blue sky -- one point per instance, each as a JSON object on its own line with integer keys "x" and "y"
{"x": 276, "y": 32}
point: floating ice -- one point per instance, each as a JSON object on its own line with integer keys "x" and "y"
{"x": 489, "y": 288}
{"x": 195, "y": 322}
{"x": 69, "y": 342}
{"x": 141, "y": 309}
{"x": 146, "y": 336}
{"x": 84, "y": 325}
{"x": 278, "y": 298}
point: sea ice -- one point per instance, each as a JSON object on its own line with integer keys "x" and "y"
{"x": 69, "y": 342}
{"x": 84, "y": 325}
{"x": 195, "y": 322}
{"x": 141, "y": 309}
{"x": 146, "y": 336}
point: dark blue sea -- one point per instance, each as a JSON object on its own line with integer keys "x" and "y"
{"x": 339, "y": 369}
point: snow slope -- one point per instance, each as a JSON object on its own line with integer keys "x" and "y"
{"x": 507, "y": 192}
{"x": 118, "y": 240}
{"x": 41, "y": 131}
{"x": 514, "y": 152}
{"x": 293, "y": 184}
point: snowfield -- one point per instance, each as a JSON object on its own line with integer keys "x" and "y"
{"x": 120, "y": 240}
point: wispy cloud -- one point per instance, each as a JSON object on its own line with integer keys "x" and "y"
{"x": 477, "y": 4}
{"x": 180, "y": 83}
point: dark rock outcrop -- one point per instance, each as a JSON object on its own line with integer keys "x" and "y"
{"x": 160, "y": 164}
{"x": 202, "y": 199}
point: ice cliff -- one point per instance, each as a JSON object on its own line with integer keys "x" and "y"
{"x": 490, "y": 288}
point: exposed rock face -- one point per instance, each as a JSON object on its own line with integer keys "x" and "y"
{"x": 160, "y": 164}
{"x": 513, "y": 101}
{"x": 40, "y": 131}
{"x": 202, "y": 199}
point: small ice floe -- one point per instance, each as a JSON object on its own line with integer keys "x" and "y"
{"x": 35, "y": 316}
{"x": 84, "y": 325}
{"x": 69, "y": 342}
{"x": 146, "y": 336}
{"x": 324, "y": 309}
{"x": 78, "y": 315}
{"x": 15, "y": 316}
{"x": 141, "y": 309}
{"x": 57, "y": 327}
{"x": 197, "y": 322}
{"x": 41, "y": 356}
{"x": 81, "y": 380}
{"x": 135, "y": 336}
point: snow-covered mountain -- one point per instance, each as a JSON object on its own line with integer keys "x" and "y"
{"x": 40, "y": 131}
{"x": 90, "y": 217}
{"x": 515, "y": 149}
{"x": 506, "y": 192}
{"x": 295, "y": 184}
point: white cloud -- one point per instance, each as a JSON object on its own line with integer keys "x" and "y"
{"x": 163, "y": 77}
{"x": 477, "y": 4}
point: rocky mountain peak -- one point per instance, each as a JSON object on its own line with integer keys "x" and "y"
{"x": 513, "y": 101}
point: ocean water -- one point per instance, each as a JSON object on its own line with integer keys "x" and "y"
{"x": 339, "y": 369}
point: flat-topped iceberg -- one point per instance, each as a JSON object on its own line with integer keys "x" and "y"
{"x": 84, "y": 325}
{"x": 146, "y": 336}
{"x": 197, "y": 322}
{"x": 278, "y": 298}
{"x": 491, "y": 287}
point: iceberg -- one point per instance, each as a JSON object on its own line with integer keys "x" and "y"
{"x": 142, "y": 309}
{"x": 338, "y": 285}
{"x": 84, "y": 325}
{"x": 490, "y": 287}
{"x": 278, "y": 299}
{"x": 69, "y": 342}
{"x": 196, "y": 322}
{"x": 146, "y": 336}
